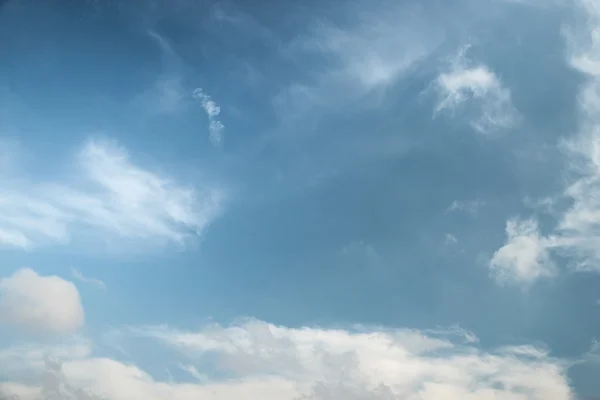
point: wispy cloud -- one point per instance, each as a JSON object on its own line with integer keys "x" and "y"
{"x": 193, "y": 371}
{"x": 109, "y": 198}
{"x": 471, "y": 207}
{"x": 575, "y": 233}
{"x": 166, "y": 97}
{"x": 364, "y": 56}
{"x": 215, "y": 127}
{"x": 450, "y": 239}
{"x": 92, "y": 281}
{"x": 468, "y": 84}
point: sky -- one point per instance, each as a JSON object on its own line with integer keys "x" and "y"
{"x": 316, "y": 200}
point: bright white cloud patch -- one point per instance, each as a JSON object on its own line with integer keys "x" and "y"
{"x": 265, "y": 361}
{"x": 40, "y": 304}
{"x": 110, "y": 198}
{"x": 524, "y": 257}
{"x": 577, "y": 232}
{"x": 212, "y": 110}
{"x": 475, "y": 86}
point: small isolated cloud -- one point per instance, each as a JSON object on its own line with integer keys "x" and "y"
{"x": 524, "y": 258}
{"x": 215, "y": 127}
{"x": 257, "y": 360}
{"x": 109, "y": 198}
{"x": 471, "y": 207}
{"x": 92, "y": 281}
{"x": 472, "y": 85}
{"x": 450, "y": 239}
{"x": 40, "y": 304}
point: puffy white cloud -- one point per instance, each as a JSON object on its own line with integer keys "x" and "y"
{"x": 478, "y": 85}
{"x": 316, "y": 363}
{"x": 254, "y": 359}
{"x": 524, "y": 258}
{"x": 167, "y": 96}
{"x": 109, "y": 199}
{"x": 41, "y": 304}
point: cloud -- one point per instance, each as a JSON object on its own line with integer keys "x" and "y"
{"x": 361, "y": 58}
{"x": 577, "y": 209}
{"x": 471, "y": 207}
{"x": 477, "y": 86}
{"x": 255, "y": 359}
{"x": 450, "y": 239}
{"x": 524, "y": 258}
{"x": 212, "y": 110}
{"x": 109, "y": 198}
{"x": 92, "y": 281}
{"x": 166, "y": 97}
{"x": 40, "y": 304}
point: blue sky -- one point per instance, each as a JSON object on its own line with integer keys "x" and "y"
{"x": 322, "y": 200}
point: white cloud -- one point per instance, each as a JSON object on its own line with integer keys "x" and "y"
{"x": 254, "y": 359}
{"x": 471, "y": 207}
{"x": 212, "y": 110}
{"x": 107, "y": 198}
{"x": 478, "y": 86}
{"x": 40, "y": 304}
{"x": 524, "y": 258}
{"x": 360, "y": 59}
{"x": 576, "y": 233}
{"x": 92, "y": 281}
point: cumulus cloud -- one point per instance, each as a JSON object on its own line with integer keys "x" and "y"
{"x": 472, "y": 85}
{"x": 576, "y": 232}
{"x": 524, "y": 257}
{"x": 215, "y": 127}
{"x": 40, "y": 304}
{"x": 255, "y": 359}
{"x": 109, "y": 198}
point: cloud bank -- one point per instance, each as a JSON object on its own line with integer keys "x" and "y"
{"x": 255, "y": 359}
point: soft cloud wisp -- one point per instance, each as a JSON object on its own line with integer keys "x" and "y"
{"x": 481, "y": 88}
{"x": 112, "y": 198}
